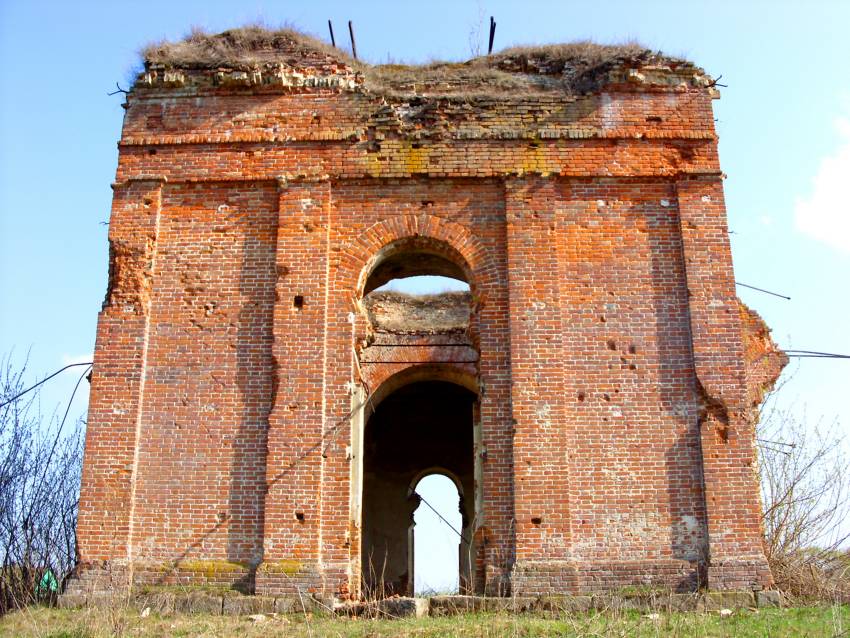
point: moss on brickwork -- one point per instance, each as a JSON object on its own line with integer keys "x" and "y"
{"x": 211, "y": 568}
{"x": 207, "y": 568}
{"x": 289, "y": 567}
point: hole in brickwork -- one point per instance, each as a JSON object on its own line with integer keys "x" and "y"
{"x": 151, "y": 151}
{"x": 632, "y": 349}
{"x": 612, "y": 345}
{"x": 581, "y": 396}
{"x": 299, "y": 516}
{"x": 536, "y": 520}
{"x": 298, "y": 301}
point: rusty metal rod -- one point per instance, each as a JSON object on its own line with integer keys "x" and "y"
{"x": 492, "y": 35}
{"x": 775, "y": 294}
{"x": 353, "y": 43}
{"x": 331, "y": 29}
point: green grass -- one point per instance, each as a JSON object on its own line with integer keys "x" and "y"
{"x": 96, "y": 623}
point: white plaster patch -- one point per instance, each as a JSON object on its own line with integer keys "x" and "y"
{"x": 611, "y": 112}
{"x": 691, "y": 523}
{"x": 542, "y": 413}
{"x": 665, "y": 203}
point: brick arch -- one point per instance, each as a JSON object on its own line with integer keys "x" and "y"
{"x": 386, "y": 379}
{"x": 362, "y": 254}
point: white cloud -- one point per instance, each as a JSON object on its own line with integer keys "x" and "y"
{"x": 825, "y": 214}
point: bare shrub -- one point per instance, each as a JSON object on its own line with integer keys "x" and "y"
{"x": 40, "y": 464}
{"x": 805, "y": 483}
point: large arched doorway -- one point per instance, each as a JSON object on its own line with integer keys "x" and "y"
{"x": 421, "y": 428}
{"x": 418, "y": 368}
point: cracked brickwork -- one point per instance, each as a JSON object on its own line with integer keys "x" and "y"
{"x": 239, "y": 353}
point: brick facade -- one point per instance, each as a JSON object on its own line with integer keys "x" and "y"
{"x": 234, "y": 363}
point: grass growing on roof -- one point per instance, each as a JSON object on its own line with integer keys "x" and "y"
{"x": 241, "y": 48}
{"x": 574, "y": 67}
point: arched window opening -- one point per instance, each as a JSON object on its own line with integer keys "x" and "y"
{"x": 413, "y": 287}
{"x": 437, "y": 525}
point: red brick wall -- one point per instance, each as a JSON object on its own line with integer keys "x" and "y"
{"x": 615, "y": 447}
{"x": 208, "y": 390}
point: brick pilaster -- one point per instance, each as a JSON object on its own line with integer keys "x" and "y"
{"x": 736, "y": 557}
{"x": 541, "y": 471}
{"x": 118, "y": 377}
{"x": 293, "y": 511}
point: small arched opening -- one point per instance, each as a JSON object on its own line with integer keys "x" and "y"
{"x": 436, "y": 537}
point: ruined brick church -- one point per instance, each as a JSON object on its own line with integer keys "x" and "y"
{"x": 262, "y": 408}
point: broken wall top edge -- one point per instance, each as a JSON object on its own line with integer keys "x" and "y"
{"x": 259, "y": 57}
{"x": 403, "y": 313}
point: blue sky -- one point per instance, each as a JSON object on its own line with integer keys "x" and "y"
{"x": 783, "y": 121}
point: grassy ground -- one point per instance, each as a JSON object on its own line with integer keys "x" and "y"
{"x": 95, "y": 623}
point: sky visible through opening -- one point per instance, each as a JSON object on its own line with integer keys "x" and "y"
{"x": 424, "y": 285}
{"x": 436, "y": 545}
